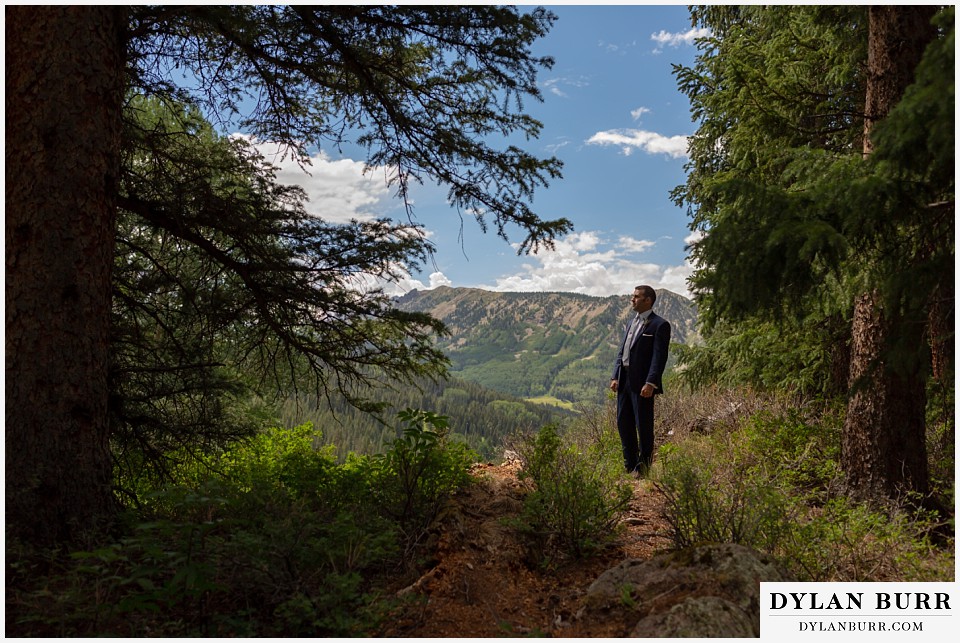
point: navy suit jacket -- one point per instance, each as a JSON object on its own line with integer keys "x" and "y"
{"x": 648, "y": 355}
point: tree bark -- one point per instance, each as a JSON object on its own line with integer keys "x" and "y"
{"x": 884, "y": 450}
{"x": 898, "y": 36}
{"x": 942, "y": 326}
{"x": 64, "y": 75}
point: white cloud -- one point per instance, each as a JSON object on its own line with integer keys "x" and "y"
{"x": 407, "y": 283}
{"x": 674, "y": 278}
{"x": 557, "y": 86}
{"x": 693, "y": 237}
{"x": 582, "y": 241}
{"x": 650, "y": 142}
{"x": 667, "y": 39}
{"x": 338, "y": 190}
{"x": 585, "y": 263}
{"x": 614, "y": 48}
{"x": 438, "y": 279}
{"x": 638, "y": 113}
{"x": 553, "y": 86}
{"x": 629, "y": 244}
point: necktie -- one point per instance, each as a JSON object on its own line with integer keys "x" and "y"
{"x": 634, "y": 329}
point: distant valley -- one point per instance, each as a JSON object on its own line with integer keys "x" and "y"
{"x": 555, "y": 347}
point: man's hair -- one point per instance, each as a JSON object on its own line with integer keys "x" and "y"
{"x": 648, "y": 292}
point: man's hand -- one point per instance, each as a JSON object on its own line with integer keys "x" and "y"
{"x": 647, "y": 390}
{"x": 613, "y": 385}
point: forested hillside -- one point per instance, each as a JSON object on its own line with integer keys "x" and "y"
{"x": 505, "y": 349}
{"x": 479, "y": 416}
{"x": 531, "y": 345}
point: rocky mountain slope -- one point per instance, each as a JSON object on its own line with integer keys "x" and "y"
{"x": 535, "y": 345}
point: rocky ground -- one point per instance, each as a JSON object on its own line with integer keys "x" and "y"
{"x": 485, "y": 582}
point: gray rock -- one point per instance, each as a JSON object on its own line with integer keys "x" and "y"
{"x": 712, "y": 590}
{"x": 704, "y": 617}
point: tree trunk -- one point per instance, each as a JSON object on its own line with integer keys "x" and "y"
{"x": 942, "y": 326}
{"x": 839, "y": 356}
{"x": 64, "y": 75}
{"x": 884, "y": 450}
{"x": 898, "y": 36}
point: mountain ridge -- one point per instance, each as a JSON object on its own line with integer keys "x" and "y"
{"x": 538, "y": 344}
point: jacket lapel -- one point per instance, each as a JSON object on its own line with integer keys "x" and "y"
{"x": 646, "y": 324}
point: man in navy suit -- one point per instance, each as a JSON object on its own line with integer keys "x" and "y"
{"x": 638, "y": 377}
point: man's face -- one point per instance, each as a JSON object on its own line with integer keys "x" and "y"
{"x": 640, "y": 302}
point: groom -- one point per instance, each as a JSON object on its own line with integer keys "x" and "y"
{"x": 638, "y": 376}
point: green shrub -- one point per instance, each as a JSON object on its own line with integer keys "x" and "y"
{"x": 941, "y": 438}
{"x": 578, "y": 498}
{"x": 849, "y": 542}
{"x": 222, "y": 567}
{"x": 801, "y": 455}
{"x": 269, "y": 537}
{"x": 771, "y": 484}
{"x": 418, "y": 473}
{"x": 704, "y": 507}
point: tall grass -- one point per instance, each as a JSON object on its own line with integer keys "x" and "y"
{"x": 764, "y": 472}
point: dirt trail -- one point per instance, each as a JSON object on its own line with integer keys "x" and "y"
{"x": 483, "y": 583}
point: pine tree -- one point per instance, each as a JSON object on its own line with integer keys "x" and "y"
{"x": 884, "y": 437}
{"x": 800, "y": 225}
{"x": 423, "y": 89}
{"x": 64, "y": 88}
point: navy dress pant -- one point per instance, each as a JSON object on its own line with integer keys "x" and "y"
{"x": 635, "y": 425}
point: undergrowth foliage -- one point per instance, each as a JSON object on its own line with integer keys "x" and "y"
{"x": 276, "y": 537}
{"x": 771, "y": 481}
{"x": 271, "y": 537}
{"x": 422, "y": 468}
{"x": 701, "y": 511}
{"x": 578, "y": 496}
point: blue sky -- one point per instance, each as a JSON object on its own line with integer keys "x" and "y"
{"x": 612, "y": 113}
